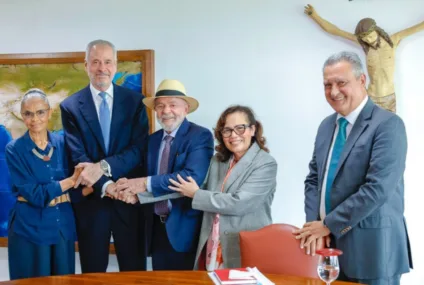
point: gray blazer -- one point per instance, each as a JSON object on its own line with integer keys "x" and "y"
{"x": 244, "y": 205}
{"x": 367, "y": 195}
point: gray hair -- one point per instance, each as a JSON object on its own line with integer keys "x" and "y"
{"x": 100, "y": 43}
{"x": 34, "y": 93}
{"x": 349, "y": 57}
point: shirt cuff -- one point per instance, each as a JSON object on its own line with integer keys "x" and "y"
{"x": 148, "y": 184}
{"x": 104, "y": 188}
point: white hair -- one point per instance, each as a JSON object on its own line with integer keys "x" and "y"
{"x": 100, "y": 43}
{"x": 35, "y": 93}
{"x": 346, "y": 56}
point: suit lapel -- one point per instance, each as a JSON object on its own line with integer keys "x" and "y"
{"x": 179, "y": 136}
{"x": 241, "y": 166}
{"x": 222, "y": 172}
{"x": 324, "y": 151}
{"x": 358, "y": 128}
{"x": 88, "y": 110}
{"x": 118, "y": 116}
{"x": 153, "y": 152}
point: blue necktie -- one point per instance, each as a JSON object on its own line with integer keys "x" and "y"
{"x": 104, "y": 117}
{"x": 335, "y": 156}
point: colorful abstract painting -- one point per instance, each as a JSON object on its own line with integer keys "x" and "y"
{"x": 58, "y": 81}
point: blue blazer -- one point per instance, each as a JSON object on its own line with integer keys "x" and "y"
{"x": 367, "y": 195}
{"x": 83, "y": 136}
{"x": 190, "y": 155}
{"x": 38, "y": 182}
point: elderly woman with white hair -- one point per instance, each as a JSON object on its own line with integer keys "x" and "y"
{"x": 41, "y": 224}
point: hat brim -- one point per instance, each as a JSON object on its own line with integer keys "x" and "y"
{"x": 193, "y": 104}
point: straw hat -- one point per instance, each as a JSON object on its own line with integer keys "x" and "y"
{"x": 171, "y": 88}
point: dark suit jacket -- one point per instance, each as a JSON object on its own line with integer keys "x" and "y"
{"x": 190, "y": 154}
{"x": 367, "y": 195}
{"x": 83, "y": 136}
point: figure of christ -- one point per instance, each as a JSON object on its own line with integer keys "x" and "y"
{"x": 379, "y": 48}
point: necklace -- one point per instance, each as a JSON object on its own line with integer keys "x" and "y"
{"x": 43, "y": 157}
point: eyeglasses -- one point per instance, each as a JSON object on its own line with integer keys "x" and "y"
{"x": 39, "y": 113}
{"x": 239, "y": 130}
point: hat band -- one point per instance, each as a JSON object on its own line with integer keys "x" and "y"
{"x": 168, "y": 92}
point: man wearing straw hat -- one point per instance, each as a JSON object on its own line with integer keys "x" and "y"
{"x": 183, "y": 148}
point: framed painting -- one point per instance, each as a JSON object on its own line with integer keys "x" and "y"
{"x": 59, "y": 75}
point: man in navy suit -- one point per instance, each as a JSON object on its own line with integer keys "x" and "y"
{"x": 354, "y": 193}
{"x": 181, "y": 147}
{"x": 106, "y": 128}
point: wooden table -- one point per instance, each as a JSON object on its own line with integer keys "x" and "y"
{"x": 154, "y": 277}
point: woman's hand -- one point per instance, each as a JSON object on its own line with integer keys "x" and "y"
{"x": 69, "y": 182}
{"x": 187, "y": 188}
{"x": 74, "y": 177}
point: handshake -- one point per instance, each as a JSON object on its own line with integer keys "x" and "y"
{"x": 126, "y": 190}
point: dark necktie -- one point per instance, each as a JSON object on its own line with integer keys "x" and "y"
{"x": 161, "y": 207}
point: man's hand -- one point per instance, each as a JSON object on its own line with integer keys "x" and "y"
{"x": 91, "y": 174}
{"x": 315, "y": 245}
{"x": 312, "y": 236}
{"x": 132, "y": 186}
{"x": 111, "y": 191}
{"x": 127, "y": 197}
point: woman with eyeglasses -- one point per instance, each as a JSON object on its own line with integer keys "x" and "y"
{"x": 238, "y": 190}
{"x": 41, "y": 233}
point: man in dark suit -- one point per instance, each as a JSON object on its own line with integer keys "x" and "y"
{"x": 106, "y": 128}
{"x": 354, "y": 193}
{"x": 181, "y": 147}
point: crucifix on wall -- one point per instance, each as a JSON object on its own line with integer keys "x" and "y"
{"x": 379, "y": 48}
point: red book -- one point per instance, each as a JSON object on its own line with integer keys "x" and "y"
{"x": 223, "y": 276}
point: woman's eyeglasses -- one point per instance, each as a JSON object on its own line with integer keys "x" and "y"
{"x": 39, "y": 113}
{"x": 239, "y": 130}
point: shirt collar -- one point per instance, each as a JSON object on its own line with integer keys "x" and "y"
{"x": 96, "y": 92}
{"x": 351, "y": 118}
{"x": 172, "y": 134}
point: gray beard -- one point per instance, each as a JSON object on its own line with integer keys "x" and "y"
{"x": 170, "y": 129}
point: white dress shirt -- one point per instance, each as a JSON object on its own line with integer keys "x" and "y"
{"x": 351, "y": 118}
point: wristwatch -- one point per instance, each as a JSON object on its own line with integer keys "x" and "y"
{"x": 105, "y": 167}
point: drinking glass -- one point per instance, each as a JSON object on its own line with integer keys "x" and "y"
{"x": 328, "y": 264}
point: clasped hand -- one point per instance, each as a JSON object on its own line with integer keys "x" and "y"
{"x": 90, "y": 174}
{"x": 313, "y": 236}
{"x": 126, "y": 190}
{"x": 74, "y": 178}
